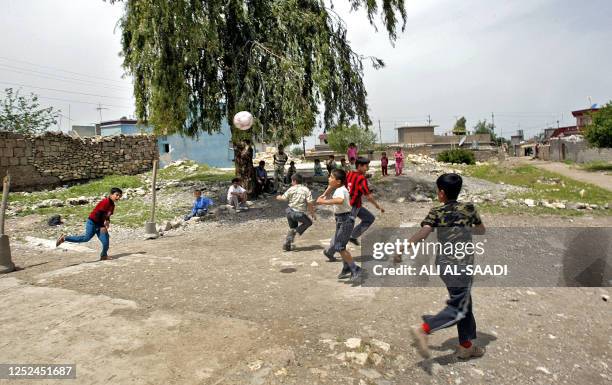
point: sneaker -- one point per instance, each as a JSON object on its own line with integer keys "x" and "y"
{"x": 60, "y": 240}
{"x": 287, "y": 246}
{"x": 345, "y": 273}
{"x": 420, "y": 340}
{"x": 471, "y": 352}
{"x": 354, "y": 241}
{"x": 329, "y": 256}
{"x": 356, "y": 276}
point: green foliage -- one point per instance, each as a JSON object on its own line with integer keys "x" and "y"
{"x": 459, "y": 128}
{"x": 297, "y": 151}
{"x": 457, "y": 155}
{"x": 195, "y": 62}
{"x": 23, "y": 114}
{"x": 542, "y": 184}
{"x": 340, "y": 137}
{"x": 599, "y": 133}
{"x": 597, "y": 166}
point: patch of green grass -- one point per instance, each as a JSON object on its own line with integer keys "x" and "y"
{"x": 192, "y": 171}
{"x": 96, "y": 187}
{"x": 597, "y": 166}
{"x": 542, "y": 184}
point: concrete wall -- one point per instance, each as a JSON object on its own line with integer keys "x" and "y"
{"x": 55, "y": 158}
{"x": 579, "y": 152}
{"x": 414, "y": 135}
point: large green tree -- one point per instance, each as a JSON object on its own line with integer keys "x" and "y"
{"x": 340, "y": 137}
{"x": 599, "y": 132}
{"x": 196, "y": 62}
{"x": 23, "y": 114}
{"x": 459, "y": 128}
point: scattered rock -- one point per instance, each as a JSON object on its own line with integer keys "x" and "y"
{"x": 529, "y": 202}
{"x": 357, "y": 358}
{"x": 314, "y": 264}
{"x": 371, "y": 374}
{"x": 542, "y": 369}
{"x": 381, "y": 345}
{"x": 605, "y": 297}
{"x": 353, "y": 343}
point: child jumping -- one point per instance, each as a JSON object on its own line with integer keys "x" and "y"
{"x": 384, "y": 162}
{"x": 341, "y": 200}
{"x": 452, "y": 220}
{"x": 299, "y": 198}
{"x": 97, "y": 223}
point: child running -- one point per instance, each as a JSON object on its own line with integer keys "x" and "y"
{"x": 451, "y": 219}
{"x": 97, "y": 223}
{"x": 299, "y": 198}
{"x": 344, "y": 224}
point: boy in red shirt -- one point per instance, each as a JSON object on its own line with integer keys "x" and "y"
{"x": 97, "y": 224}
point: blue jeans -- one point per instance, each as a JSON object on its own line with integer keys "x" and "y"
{"x": 92, "y": 229}
{"x": 367, "y": 218}
{"x": 199, "y": 213}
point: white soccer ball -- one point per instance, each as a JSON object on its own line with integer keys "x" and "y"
{"x": 243, "y": 120}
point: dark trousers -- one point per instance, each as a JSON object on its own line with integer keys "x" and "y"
{"x": 298, "y": 221}
{"x": 384, "y": 170}
{"x": 367, "y": 218}
{"x": 458, "y": 310}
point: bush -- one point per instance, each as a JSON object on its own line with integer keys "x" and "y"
{"x": 599, "y": 133}
{"x": 297, "y": 151}
{"x": 458, "y": 155}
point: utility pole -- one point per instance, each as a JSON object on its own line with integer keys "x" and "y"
{"x": 428, "y": 119}
{"x": 379, "y": 132}
{"x": 69, "y": 120}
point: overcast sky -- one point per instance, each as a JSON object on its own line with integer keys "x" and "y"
{"x": 529, "y": 62}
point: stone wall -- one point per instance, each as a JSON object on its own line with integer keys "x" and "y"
{"x": 53, "y": 159}
{"x": 578, "y": 151}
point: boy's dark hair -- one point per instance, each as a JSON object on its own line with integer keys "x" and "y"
{"x": 115, "y": 190}
{"x": 339, "y": 174}
{"x": 297, "y": 178}
{"x": 451, "y": 185}
{"x": 351, "y": 144}
{"x": 262, "y": 163}
{"x": 331, "y": 157}
{"x": 317, "y": 161}
{"x": 361, "y": 161}
{"x": 197, "y": 190}
{"x": 291, "y": 163}
{"x": 236, "y": 180}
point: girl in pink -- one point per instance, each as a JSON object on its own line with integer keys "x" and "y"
{"x": 352, "y": 151}
{"x": 399, "y": 161}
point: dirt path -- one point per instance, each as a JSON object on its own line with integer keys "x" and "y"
{"x": 224, "y": 305}
{"x": 597, "y": 178}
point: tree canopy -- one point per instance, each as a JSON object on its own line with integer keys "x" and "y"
{"x": 195, "y": 63}
{"x": 23, "y": 114}
{"x": 599, "y": 132}
{"x": 340, "y": 137}
{"x": 459, "y": 128}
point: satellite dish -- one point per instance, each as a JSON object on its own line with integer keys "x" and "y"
{"x": 462, "y": 140}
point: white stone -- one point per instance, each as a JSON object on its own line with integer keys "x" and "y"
{"x": 358, "y": 358}
{"x": 529, "y": 202}
{"x": 542, "y": 369}
{"x": 371, "y": 374}
{"x": 353, "y": 343}
{"x": 381, "y": 345}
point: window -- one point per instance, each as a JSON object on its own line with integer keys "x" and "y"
{"x": 166, "y": 147}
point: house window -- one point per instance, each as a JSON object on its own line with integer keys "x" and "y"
{"x": 166, "y": 147}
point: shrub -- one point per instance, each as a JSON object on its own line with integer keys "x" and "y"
{"x": 458, "y": 155}
{"x": 297, "y": 151}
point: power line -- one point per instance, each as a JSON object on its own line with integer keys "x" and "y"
{"x": 66, "y": 91}
{"x": 63, "y": 78}
{"x": 82, "y": 102}
{"x": 58, "y": 69}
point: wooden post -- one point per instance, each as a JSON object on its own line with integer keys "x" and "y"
{"x": 6, "y": 263}
{"x": 151, "y": 226}
{"x": 154, "y": 191}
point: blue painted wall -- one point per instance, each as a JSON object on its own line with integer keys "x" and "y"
{"x": 214, "y": 150}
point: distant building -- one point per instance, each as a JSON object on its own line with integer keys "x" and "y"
{"x": 416, "y": 136}
{"x": 212, "y": 149}
{"x": 84, "y": 131}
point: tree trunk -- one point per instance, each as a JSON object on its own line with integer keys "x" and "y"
{"x": 243, "y": 161}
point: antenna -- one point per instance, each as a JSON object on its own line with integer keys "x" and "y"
{"x": 100, "y": 108}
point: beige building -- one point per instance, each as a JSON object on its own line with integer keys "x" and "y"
{"x": 414, "y": 136}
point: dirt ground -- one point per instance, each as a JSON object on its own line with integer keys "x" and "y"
{"x": 220, "y": 303}
{"x": 598, "y": 178}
